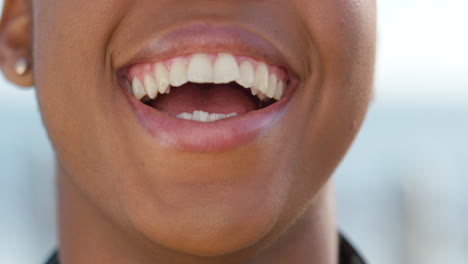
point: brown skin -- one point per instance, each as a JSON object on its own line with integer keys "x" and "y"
{"x": 124, "y": 198}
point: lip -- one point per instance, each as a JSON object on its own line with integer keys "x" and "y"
{"x": 203, "y": 37}
{"x": 222, "y": 135}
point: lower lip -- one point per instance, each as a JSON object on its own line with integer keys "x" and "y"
{"x": 203, "y": 137}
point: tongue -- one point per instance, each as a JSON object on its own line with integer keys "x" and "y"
{"x": 211, "y": 98}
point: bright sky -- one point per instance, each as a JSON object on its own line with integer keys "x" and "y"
{"x": 422, "y": 55}
{"x": 423, "y": 51}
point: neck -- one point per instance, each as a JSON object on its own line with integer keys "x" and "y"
{"x": 86, "y": 235}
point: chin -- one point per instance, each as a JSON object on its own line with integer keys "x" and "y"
{"x": 209, "y": 219}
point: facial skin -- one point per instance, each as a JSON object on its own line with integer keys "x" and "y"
{"x": 126, "y": 198}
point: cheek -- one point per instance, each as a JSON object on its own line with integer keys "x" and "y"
{"x": 342, "y": 32}
{"x": 70, "y": 77}
{"x": 342, "y": 37}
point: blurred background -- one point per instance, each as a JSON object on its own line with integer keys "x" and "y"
{"x": 400, "y": 191}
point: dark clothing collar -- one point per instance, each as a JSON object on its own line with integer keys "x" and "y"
{"x": 348, "y": 255}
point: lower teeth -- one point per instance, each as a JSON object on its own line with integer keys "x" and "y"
{"x": 202, "y": 116}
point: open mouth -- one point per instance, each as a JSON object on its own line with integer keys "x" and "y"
{"x": 206, "y": 87}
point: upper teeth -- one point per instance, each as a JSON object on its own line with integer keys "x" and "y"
{"x": 152, "y": 79}
{"x": 225, "y": 69}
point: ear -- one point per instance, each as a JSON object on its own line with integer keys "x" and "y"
{"x": 15, "y": 41}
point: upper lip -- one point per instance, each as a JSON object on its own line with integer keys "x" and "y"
{"x": 202, "y": 37}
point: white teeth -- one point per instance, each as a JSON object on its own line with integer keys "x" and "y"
{"x": 261, "y": 77}
{"x": 200, "y": 69}
{"x": 162, "y": 77}
{"x": 225, "y": 69}
{"x": 128, "y": 86}
{"x": 272, "y": 86}
{"x": 262, "y": 96}
{"x": 202, "y": 116}
{"x": 196, "y": 116}
{"x": 186, "y": 116}
{"x": 178, "y": 73}
{"x": 138, "y": 89}
{"x": 216, "y": 117}
{"x": 246, "y": 74}
{"x": 150, "y": 86}
{"x": 279, "y": 90}
{"x": 254, "y": 91}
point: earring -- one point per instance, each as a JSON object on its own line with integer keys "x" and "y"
{"x": 21, "y": 66}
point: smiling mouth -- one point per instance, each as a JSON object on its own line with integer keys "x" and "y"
{"x": 206, "y": 87}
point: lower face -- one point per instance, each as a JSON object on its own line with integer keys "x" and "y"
{"x": 151, "y": 111}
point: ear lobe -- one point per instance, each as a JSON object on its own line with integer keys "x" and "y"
{"x": 15, "y": 41}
